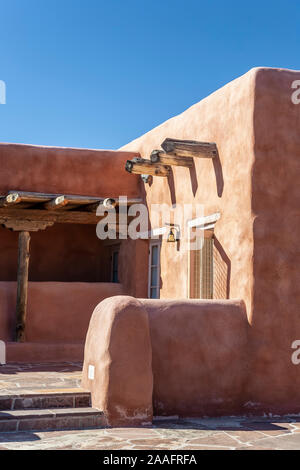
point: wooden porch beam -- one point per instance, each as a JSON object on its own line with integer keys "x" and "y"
{"x": 190, "y": 148}
{"x": 37, "y": 198}
{"x": 22, "y": 288}
{"x": 57, "y": 201}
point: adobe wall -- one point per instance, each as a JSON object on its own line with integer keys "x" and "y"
{"x": 255, "y": 186}
{"x": 117, "y": 365}
{"x": 198, "y": 356}
{"x": 68, "y": 252}
{"x": 180, "y": 357}
{"x": 63, "y": 252}
{"x": 222, "y": 184}
{"x": 57, "y": 312}
{"x": 274, "y": 382}
{"x": 65, "y": 171}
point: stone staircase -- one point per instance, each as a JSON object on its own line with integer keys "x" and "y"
{"x": 49, "y": 411}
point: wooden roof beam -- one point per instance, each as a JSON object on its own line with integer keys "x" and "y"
{"x": 190, "y": 148}
{"x": 142, "y": 166}
{"x": 56, "y": 203}
{"x": 158, "y": 156}
{"x": 10, "y": 200}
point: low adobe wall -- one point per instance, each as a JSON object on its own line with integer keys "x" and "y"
{"x": 57, "y": 312}
{"x": 165, "y": 357}
{"x": 198, "y": 356}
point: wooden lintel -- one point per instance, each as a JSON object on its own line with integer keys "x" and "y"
{"x": 190, "y": 148}
{"x": 27, "y": 225}
{"x": 17, "y": 223}
{"x": 142, "y": 166}
{"x": 157, "y": 156}
{"x": 22, "y": 287}
{"x": 63, "y": 217}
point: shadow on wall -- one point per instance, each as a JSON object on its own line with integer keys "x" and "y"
{"x": 194, "y": 181}
{"x": 193, "y": 177}
{"x": 172, "y": 187}
{"x": 222, "y": 271}
{"x": 219, "y": 174}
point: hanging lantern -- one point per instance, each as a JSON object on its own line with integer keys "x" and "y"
{"x": 171, "y": 237}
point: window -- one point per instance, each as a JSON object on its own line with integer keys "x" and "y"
{"x": 154, "y": 271}
{"x": 115, "y": 266}
{"x": 201, "y": 271}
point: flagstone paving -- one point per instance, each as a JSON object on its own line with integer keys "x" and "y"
{"x": 231, "y": 433}
{"x": 176, "y": 434}
{"x": 39, "y": 378}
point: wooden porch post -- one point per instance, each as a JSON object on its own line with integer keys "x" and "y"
{"x": 23, "y": 264}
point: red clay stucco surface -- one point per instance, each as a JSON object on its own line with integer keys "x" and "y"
{"x": 65, "y": 171}
{"x": 195, "y": 349}
{"x": 254, "y": 184}
{"x": 63, "y": 252}
{"x": 222, "y": 184}
{"x": 198, "y": 356}
{"x": 118, "y": 347}
{"x": 57, "y": 312}
{"x": 274, "y": 382}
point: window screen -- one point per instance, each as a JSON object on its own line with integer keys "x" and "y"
{"x": 201, "y": 271}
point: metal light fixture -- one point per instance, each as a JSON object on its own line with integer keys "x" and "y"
{"x": 174, "y": 233}
{"x": 171, "y": 237}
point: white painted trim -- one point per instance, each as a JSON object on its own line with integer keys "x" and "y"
{"x": 153, "y": 233}
{"x": 158, "y": 231}
{"x": 202, "y": 221}
{"x": 2, "y": 353}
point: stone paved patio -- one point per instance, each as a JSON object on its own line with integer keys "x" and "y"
{"x": 39, "y": 378}
{"x": 174, "y": 434}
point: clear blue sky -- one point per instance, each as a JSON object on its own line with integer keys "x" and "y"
{"x": 97, "y": 74}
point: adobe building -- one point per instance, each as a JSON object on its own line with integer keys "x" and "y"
{"x": 185, "y": 333}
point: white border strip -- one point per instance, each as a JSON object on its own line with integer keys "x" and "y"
{"x": 2, "y": 353}
{"x": 202, "y": 221}
{"x": 153, "y": 233}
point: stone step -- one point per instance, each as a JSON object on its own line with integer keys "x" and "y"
{"x": 51, "y": 419}
{"x": 47, "y": 399}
